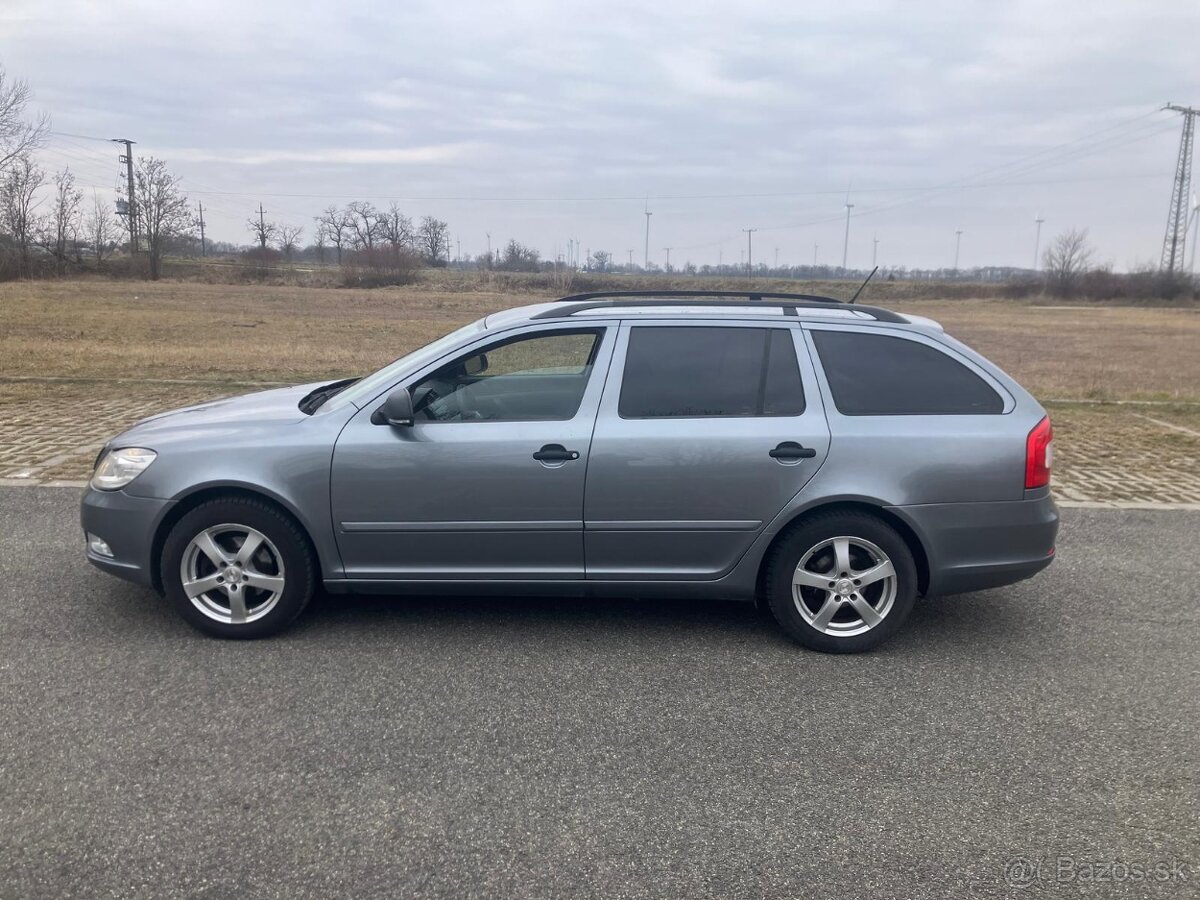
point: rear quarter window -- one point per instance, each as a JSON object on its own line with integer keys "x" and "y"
{"x": 881, "y": 375}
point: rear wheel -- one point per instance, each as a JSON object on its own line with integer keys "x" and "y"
{"x": 841, "y": 582}
{"x": 237, "y": 568}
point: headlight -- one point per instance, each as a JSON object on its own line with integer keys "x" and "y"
{"x": 119, "y": 467}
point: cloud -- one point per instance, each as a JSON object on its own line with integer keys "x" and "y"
{"x": 545, "y": 98}
{"x": 361, "y": 156}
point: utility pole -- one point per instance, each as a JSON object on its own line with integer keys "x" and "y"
{"x": 201, "y": 207}
{"x": 1037, "y": 240}
{"x": 1176, "y": 236}
{"x": 846, "y": 242}
{"x": 646, "y": 255}
{"x": 457, "y": 249}
{"x": 815, "y": 246}
{"x": 130, "y": 202}
{"x": 749, "y": 249}
{"x": 668, "y": 249}
{"x": 957, "y": 244}
{"x": 630, "y": 260}
{"x": 489, "y": 240}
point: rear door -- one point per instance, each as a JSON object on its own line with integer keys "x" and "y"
{"x": 705, "y": 431}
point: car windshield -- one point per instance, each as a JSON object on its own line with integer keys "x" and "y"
{"x": 363, "y": 390}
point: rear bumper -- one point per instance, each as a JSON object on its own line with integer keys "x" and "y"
{"x": 128, "y": 525}
{"x": 973, "y": 546}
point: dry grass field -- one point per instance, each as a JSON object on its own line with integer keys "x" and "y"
{"x": 238, "y": 333}
{"x": 99, "y": 343}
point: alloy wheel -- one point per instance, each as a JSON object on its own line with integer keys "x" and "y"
{"x": 232, "y": 573}
{"x": 844, "y": 586}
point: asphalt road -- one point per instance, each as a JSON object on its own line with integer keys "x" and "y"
{"x": 400, "y": 747}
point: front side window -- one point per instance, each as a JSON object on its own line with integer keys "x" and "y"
{"x": 539, "y": 377}
{"x": 699, "y": 372}
{"x": 880, "y": 375}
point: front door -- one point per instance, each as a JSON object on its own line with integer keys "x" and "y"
{"x": 487, "y": 483}
{"x": 705, "y": 432}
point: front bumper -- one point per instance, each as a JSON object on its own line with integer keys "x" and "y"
{"x": 973, "y": 546}
{"x": 128, "y": 525}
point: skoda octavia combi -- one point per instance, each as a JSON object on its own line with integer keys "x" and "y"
{"x": 831, "y": 462}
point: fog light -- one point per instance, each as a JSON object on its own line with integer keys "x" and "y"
{"x": 99, "y": 546}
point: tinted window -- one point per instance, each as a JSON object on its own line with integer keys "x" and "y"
{"x": 673, "y": 372}
{"x": 535, "y": 378}
{"x": 876, "y": 375}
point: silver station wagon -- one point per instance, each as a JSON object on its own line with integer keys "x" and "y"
{"x": 828, "y": 461}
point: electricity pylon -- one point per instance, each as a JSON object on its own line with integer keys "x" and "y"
{"x": 1177, "y": 215}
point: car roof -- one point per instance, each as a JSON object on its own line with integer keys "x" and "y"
{"x": 705, "y": 305}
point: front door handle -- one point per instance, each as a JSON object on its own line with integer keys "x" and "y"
{"x": 792, "y": 450}
{"x": 555, "y": 453}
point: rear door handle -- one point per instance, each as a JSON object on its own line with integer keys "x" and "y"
{"x": 792, "y": 450}
{"x": 555, "y": 453}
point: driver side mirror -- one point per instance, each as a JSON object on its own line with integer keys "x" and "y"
{"x": 397, "y": 409}
{"x": 475, "y": 365}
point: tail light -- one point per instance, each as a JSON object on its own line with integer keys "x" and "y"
{"x": 1039, "y": 454}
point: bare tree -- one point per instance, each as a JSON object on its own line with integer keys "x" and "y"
{"x": 396, "y": 228}
{"x": 100, "y": 228}
{"x": 288, "y": 237}
{"x": 516, "y": 257}
{"x": 601, "y": 260}
{"x": 162, "y": 209}
{"x": 433, "y": 239}
{"x": 334, "y": 227}
{"x": 363, "y": 219}
{"x": 18, "y": 208}
{"x": 66, "y": 217}
{"x": 264, "y": 232}
{"x": 1066, "y": 260}
{"x": 18, "y": 137}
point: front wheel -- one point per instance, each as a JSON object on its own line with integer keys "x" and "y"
{"x": 237, "y": 568}
{"x": 841, "y": 582}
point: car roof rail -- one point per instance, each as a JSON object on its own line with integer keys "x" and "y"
{"x": 677, "y": 294}
{"x": 789, "y": 303}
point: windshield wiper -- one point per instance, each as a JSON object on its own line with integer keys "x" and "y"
{"x": 312, "y": 401}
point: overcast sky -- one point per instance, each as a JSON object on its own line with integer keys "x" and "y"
{"x": 550, "y": 120}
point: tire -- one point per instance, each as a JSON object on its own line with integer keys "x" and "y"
{"x": 230, "y": 593}
{"x": 814, "y": 596}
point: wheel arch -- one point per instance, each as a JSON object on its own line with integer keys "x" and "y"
{"x": 906, "y": 531}
{"x": 201, "y": 495}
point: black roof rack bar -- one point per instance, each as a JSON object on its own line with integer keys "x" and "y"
{"x": 789, "y": 306}
{"x": 749, "y": 295}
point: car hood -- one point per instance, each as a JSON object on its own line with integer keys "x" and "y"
{"x": 278, "y": 406}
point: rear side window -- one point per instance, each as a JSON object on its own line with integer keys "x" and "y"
{"x": 878, "y": 375}
{"x": 697, "y": 372}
